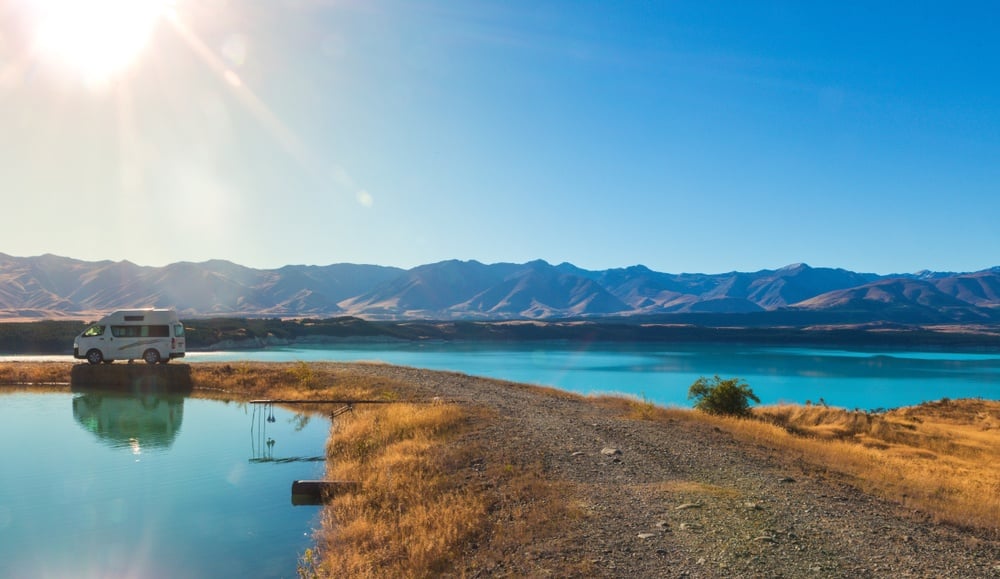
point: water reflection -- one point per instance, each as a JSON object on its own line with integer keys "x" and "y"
{"x": 135, "y": 422}
{"x": 133, "y": 378}
{"x": 262, "y": 444}
{"x": 79, "y": 504}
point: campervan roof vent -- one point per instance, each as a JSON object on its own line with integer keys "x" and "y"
{"x": 134, "y": 318}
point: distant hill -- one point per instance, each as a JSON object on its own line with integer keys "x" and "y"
{"x": 53, "y": 287}
{"x": 905, "y": 300}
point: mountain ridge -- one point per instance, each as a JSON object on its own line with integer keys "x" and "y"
{"x": 50, "y": 286}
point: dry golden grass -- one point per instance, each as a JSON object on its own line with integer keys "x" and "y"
{"x": 290, "y": 381}
{"x": 411, "y": 515}
{"x": 688, "y": 487}
{"x": 428, "y": 495}
{"x": 417, "y": 510}
{"x": 641, "y": 409}
{"x": 939, "y": 457}
{"x": 34, "y": 373}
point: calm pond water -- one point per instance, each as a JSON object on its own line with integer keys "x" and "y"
{"x": 663, "y": 373}
{"x": 112, "y": 485}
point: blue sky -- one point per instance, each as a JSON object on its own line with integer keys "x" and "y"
{"x": 686, "y": 136}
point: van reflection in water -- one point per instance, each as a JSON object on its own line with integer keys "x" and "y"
{"x": 135, "y": 422}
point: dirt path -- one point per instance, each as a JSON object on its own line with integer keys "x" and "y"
{"x": 684, "y": 499}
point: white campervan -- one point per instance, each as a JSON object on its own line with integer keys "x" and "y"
{"x": 151, "y": 334}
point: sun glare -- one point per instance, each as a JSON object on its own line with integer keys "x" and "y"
{"x": 96, "y": 39}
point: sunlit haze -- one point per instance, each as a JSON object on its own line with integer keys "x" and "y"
{"x": 685, "y": 136}
{"x": 94, "y": 38}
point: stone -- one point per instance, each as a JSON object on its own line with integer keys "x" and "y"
{"x": 686, "y": 506}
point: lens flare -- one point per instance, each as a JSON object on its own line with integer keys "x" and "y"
{"x": 96, "y": 39}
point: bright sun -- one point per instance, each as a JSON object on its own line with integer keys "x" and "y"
{"x": 96, "y": 38}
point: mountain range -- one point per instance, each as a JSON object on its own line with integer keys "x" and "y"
{"x": 54, "y": 287}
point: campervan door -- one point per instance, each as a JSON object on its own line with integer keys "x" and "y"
{"x": 153, "y": 335}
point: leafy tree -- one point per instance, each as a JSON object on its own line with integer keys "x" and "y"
{"x": 717, "y": 396}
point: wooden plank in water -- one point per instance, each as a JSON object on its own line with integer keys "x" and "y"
{"x": 313, "y": 492}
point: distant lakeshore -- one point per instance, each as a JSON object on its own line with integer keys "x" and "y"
{"x": 207, "y": 334}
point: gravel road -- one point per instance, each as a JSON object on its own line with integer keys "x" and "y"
{"x": 684, "y": 499}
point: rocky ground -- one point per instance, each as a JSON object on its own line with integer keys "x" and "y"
{"x": 684, "y": 499}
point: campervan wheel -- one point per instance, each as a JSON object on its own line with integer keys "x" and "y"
{"x": 151, "y": 356}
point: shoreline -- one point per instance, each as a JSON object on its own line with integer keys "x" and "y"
{"x": 321, "y": 343}
{"x": 215, "y": 334}
{"x": 871, "y": 379}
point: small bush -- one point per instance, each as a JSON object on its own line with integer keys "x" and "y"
{"x": 717, "y": 396}
{"x": 305, "y": 375}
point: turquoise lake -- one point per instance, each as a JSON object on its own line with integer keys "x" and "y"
{"x": 866, "y": 379}
{"x": 110, "y": 485}
{"x": 663, "y": 373}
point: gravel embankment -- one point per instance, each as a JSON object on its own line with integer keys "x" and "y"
{"x": 684, "y": 499}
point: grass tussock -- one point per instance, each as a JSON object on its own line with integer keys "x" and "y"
{"x": 940, "y": 457}
{"x": 290, "y": 381}
{"x": 641, "y": 408}
{"x": 412, "y": 514}
{"x": 23, "y": 373}
{"x": 674, "y": 488}
{"x": 421, "y": 502}
{"x": 433, "y": 500}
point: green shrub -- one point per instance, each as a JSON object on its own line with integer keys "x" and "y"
{"x": 717, "y": 396}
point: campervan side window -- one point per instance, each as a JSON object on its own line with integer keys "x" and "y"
{"x": 179, "y": 330}
{"x": 94, "y": 331}
{"x": 134, "y": 318}
{"x": 140, "y": 331}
